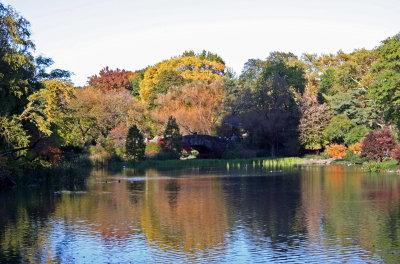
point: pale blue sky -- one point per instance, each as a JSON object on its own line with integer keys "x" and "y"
{"x": 84, "y": 36}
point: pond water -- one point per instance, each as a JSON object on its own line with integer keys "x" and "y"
{"x": 332, "y": 214}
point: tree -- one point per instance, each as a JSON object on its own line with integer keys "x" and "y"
{"x": 195, "y": 106}
{"x": 94, "y": 113}
{"x": 134, "y": 145}
{"x": 135, "y": 80}
{"x": 337, "y": 129}
{"x": 314, "y": 119}
{"x": 204, "y": 55}
{"x": 286, "y": 65}
{"x": 354, "y": 104}
{"x": 385, "y": 89}
{"x": 110, "y": 80}
{"x": 168, "y": 79}
{"x": 190, "y": 68}
{"x": 378, "y": 145}
{"x": 17, "y": 65}
{"x": 270, "y": 115}
{"x": 172, "y": 139}
{"x": 355, "y": 135}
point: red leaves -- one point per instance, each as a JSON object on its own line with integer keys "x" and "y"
{"x": 110, "y": 80}
{"x": 378, "y": 145}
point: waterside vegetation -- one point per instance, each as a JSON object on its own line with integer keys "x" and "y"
{"x": 343, "y": 105}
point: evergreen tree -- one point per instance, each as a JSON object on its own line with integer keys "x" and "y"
{"x": 134, "y": 145}
{"x": 173, "y": 138}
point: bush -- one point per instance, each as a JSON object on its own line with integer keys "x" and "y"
{"x": 376, "y": 166}
{"x": 351, "y": 157}
{"x": 378, "y": 145}
{"x": 356, "y": 148}
{"x": 152, "y": 148}
{"x": 336, "y": 151}
{"x": 396, "y": 153}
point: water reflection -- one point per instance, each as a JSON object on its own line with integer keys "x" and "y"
{"x": 311, "y": 214}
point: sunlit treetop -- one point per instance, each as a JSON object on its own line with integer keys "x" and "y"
{"x": 176, "y": 72}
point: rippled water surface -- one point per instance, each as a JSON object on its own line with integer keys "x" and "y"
{"x": 329, "y": 214}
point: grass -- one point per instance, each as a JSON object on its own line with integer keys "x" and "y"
{"x": 272, "y": 163}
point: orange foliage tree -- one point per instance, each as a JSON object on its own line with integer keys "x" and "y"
{"x": 195, "y": 106}
{"x": 336, "y": 151}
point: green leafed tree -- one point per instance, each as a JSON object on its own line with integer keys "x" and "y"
{"x": 356, "y": 135}
{"x": 337, "y": 129}
{"x": 286, "y": 65}
{"x": 385, "y": 90}
{"x": 134, "y": 145}
{"x": 17, "y": 65}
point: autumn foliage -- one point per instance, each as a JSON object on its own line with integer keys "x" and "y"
{"x": 356, "y": 148}
{"x": 188, "y": 69}
{"x": 396, "y": 153}
{"x": 378, "y": 145}
{"x": 110, "y": 80}
{"x": 195, "y": 107}
{"x": 336, "y": 151}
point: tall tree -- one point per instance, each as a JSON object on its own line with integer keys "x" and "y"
{"x": 134, "y": 145}
{"x": 385, "y": 90}
{"x": 17, "y": 65}
{"x": 270, "y": 115}
{"x": 313, "y": 121}
{"x": 286, "y": 65}
{"x": 172, "y": 138}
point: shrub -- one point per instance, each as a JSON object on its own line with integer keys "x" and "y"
{"x": 336, "y": 151}
{"x": 152, "y": 148}
{"x": 356, "y": 148}
{"x": 396, "y": 153}
{"x": 352, "y": 157}
{"x": 374, "y": 166}
{"x": 378, "y": 145}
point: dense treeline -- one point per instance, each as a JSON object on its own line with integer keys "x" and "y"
{"x": 283, "y": 105}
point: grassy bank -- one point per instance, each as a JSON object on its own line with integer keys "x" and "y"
{"x": 228, "y": 163}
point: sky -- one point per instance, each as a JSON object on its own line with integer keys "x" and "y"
{"x": 84, "y": 36}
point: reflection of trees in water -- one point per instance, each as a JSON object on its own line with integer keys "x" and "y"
{"x": 267, "y": 207}
{"x": 343, "y": 206}
{"x": 104, "y": 211}
{"x": 183, "y": 213}
{"x": 23, "y": 225}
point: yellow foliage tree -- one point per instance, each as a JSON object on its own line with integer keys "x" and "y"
{"x": 189, "y": 68}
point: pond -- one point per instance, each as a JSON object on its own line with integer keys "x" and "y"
{"x": 330, "y": 214}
